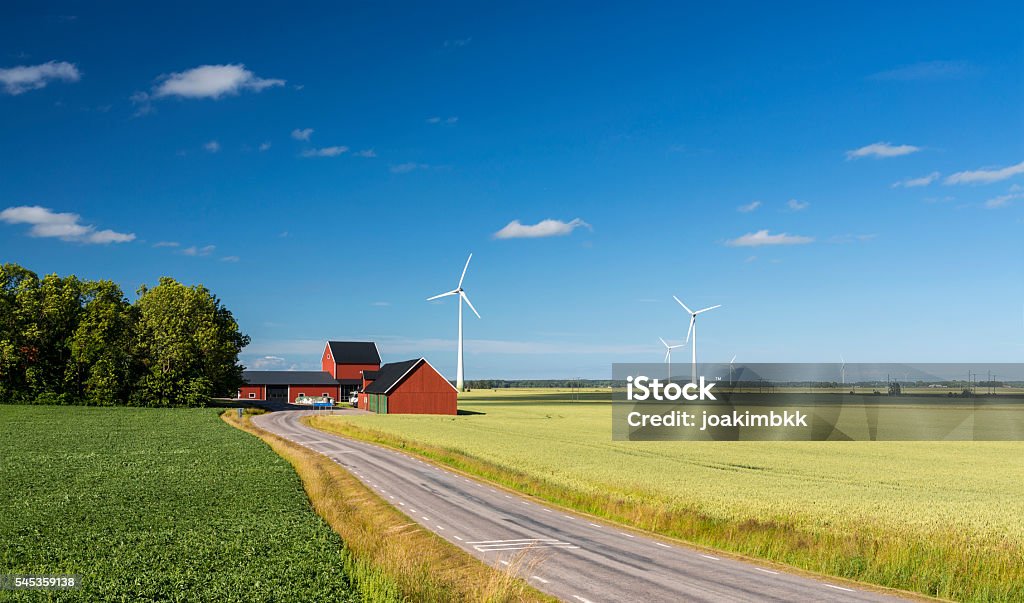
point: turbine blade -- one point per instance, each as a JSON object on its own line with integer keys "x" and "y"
{"x": 668, "y": 354}
{"x": 706, "y": 309}
{"x": 733, "y": 359}
{"x": 693, "y": 319}
{"x": 466, "y": 297}
{"x": 682, "y": 304}
{"x": 665, "y": 343}
{"x": 452, "y": 292}
{"x": 464, "y": 269}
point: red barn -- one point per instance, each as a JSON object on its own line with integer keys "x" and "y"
{"x": 408, "y": 387}
{"x": 348, "y": 359}
{"x": 286, "y": 386}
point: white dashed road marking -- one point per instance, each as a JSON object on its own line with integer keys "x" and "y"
{"x": 521, "y": 543}
{"x": 849, "y": 590}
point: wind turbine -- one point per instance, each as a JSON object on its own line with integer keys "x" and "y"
{"x": 693, "y": 331}
{"x": 668, "y": 356}
{"x": 842, "y": 368}
{"x": 462, "y": 296}
{"x": 730, "y": 369}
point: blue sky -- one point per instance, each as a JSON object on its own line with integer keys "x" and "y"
{"x": 844, "y": 180}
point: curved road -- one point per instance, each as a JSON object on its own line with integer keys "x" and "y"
{"x": 572, "y": 557}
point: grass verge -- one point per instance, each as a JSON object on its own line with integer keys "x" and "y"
{"x": 977, "y": 575}
{"x": 392, "y": 558}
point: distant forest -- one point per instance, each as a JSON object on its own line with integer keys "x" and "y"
{"x": 64, "y": 340}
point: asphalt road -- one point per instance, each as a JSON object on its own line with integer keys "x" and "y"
{"x": 572, "y": 557}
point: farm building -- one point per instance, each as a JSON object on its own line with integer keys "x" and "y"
{"x": 286, "y": 386}
{"x": 408, "y": 387}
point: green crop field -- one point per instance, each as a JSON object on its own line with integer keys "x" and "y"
{"x": 941, "y": 518}
{"x": 158, "y": 505}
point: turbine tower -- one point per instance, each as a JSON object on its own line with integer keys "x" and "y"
{"x": 668, "y": 356}
{"x": 730, "y": 368}
{"x": 693, "y": 331}
{"x": 462, "y": 296}
{"x": 842, "y": 368}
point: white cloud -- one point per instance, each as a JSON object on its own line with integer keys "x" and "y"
{"x": 23, "y": 78}
{"x": 404, "y": 168}
{"x": 381, "y": 304}
{"x": 325, "y": 152}
{"x": 544, "y": 228}
{"x": 264, "y": 146}
{"x": 447, "y": 120}
{"x": 366, "y": 153}
{"x": 749, "y": 207}
{"x": 986, "y": 176}
{"x": 762, "y": 238}
{"x": 457, "y": 43}
{"x": 212, "y": 81}
{"x": 1002, "y": 200}
{"x": 166, "y": 244}
{"x": 795, "y": 205}
{"x": 914, "y": 182}
{"x": 880, "y": 150}
{"x": 230, "y": 258}
{"x": 65, "y": 226}
{"x": 927, "y": 70}
{"x": 302, "y": 134}
{"x": 195, "y": 251}
{"x": 212, "y": 147}
{"x": 273, "y": 363}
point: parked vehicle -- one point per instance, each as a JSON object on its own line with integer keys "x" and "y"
{"x": 314, "y": 401}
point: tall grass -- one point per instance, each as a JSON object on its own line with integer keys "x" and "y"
{"x": 390, "y": 557}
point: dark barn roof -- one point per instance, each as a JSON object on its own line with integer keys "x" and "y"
{"x": 288, "y": 378}
{"x": 390, "y": 374}
{"x": 354, "y": 352}
{"x": 370, "y": 375}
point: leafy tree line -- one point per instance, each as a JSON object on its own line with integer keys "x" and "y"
{"x": 69, "y": 341}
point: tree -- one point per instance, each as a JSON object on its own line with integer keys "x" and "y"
{"x": 103, "y": 365}
{"x": 68, "y": 341}
{"x": 188, "y": 344}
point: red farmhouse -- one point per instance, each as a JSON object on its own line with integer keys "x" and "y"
{"x": 409, "y": 387}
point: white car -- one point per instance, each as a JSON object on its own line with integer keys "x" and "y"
{"x": 314, "y": 401}
{"x": 353, "y": 398}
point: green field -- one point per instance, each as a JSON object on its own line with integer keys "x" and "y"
{"x": 941, "y": 518}
{"x": 158, "y": 505}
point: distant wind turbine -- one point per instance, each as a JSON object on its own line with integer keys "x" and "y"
{"x": 693, "y": 331}
{"x": 668, "y": 355}
{"x": 462, "y": 296}
{"x": 842, "y": 368}
{"x": 730, "y": 368}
